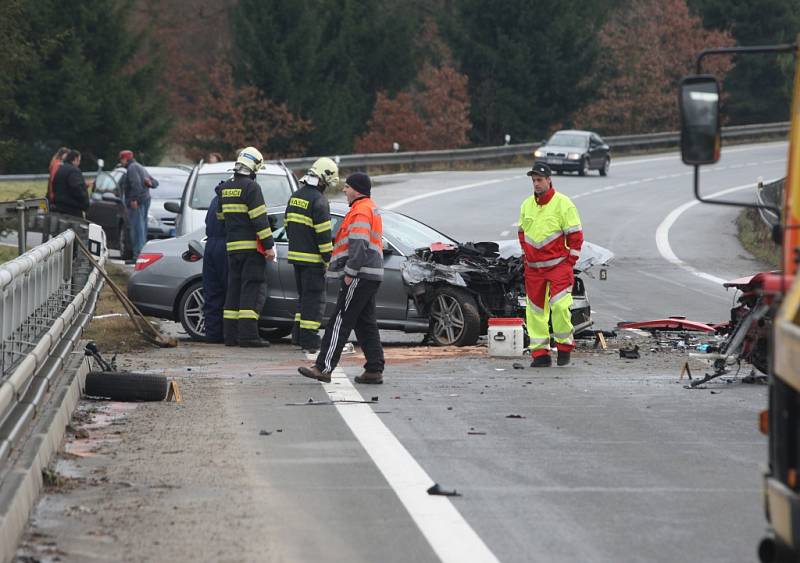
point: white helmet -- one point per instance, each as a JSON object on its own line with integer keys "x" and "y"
{"x": 249, "y": 161}
{"x": 323, "y": 173}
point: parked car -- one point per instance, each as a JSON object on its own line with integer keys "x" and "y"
{"x": 432, "y": 284}
{"x": 277, "y": 183}
{"x": 107, "y": 205}
{"x": 575, "y": 151}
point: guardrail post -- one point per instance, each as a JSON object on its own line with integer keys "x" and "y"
{"x": 22, "y": 234}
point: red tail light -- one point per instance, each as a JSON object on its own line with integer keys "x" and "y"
{"x": 147, "y": 259}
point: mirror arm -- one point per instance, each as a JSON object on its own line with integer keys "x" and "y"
{"x": 785, "y": 48}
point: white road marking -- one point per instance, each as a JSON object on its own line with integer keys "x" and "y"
{"x": 662, "y": 234}
{"x": 450, "y": 536}
{"x": 428, "y": 194}
{"x": 681, "y": 285}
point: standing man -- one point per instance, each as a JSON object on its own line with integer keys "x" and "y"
{"x": 551, "y": 237}
{"x": 246, "y": 225}
{"x": 308, "y": 226}
{"x": 358, "y": 260}
{"x": 137, "y": 184}
{"x": 70, "y": 195}
{"x": 215, "y": 272}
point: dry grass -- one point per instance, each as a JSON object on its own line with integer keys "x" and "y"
{"x": 12, "y": 191}
{"x": 7, "y": 253}
{"x": 114, "y": 334}
{"x": 756, "y": 238}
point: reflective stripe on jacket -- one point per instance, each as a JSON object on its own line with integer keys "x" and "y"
{"x": 549, "y": 230}
{"x": 358, "y": 250}
{"x": 242, "y": 205}
{"x": 308, "y": 226}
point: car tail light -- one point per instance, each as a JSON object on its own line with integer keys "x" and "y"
{"x": 146, "y": 259}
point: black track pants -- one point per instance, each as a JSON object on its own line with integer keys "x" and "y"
{"x": 355, "y": 309}
{"x": 244, "y": 299}
{"x": 310, "y": 281}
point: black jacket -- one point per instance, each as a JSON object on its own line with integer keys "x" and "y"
{"x": 242, "y": 204}
{"x": 308, "y": 226}
{"x": 69, "y": 189}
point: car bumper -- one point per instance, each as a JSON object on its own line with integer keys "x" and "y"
{"x": 562, "y": 164}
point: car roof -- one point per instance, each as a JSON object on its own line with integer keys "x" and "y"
{"x": 223, "y": 167}
{"x": 338, "y": 207}
{"x": 170, "y": 169}
{"x": 575, "y": 132}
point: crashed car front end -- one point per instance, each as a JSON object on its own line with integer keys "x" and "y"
{"x": 488, "y": 276}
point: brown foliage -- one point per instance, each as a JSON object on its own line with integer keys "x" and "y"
{"x": 434, "y": 115}
{"x": 651, "y": 44}
{"x": 227, "y": 117}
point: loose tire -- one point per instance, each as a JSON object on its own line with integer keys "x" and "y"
{"x": 274, "y": 334}
{"x": 190, "y": 311}
{"x": 454, "y": 318}
{"x": 126, "y": 386}
{"x": 606, "y": 166}
{"x": 584, "y": 170}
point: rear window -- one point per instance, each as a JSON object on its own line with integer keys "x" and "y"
{"x": 276, "y": 189}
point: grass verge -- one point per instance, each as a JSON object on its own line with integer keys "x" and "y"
{"x": 756, "y": 238}
{"x": 114, "y": 335}
{"x": 24, "y": 189}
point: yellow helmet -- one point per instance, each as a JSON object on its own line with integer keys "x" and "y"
{"x": 324, "y": 171}
{"x": 249, "y": 159}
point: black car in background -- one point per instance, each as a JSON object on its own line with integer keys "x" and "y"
{"x": 571, "y": 150}
{"x": 107, "y": 206}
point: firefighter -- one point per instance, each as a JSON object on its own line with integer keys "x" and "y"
{"x": 248, "y": 242}
{"x": 215, "y": 272}
{"x": 308, "y": 226}
{"x": 551, "y": 237}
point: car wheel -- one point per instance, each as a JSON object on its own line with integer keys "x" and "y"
{"x": 274, "y": 334}
{"x": 584, "y": 170}
{"x": 125, "y": 250}
{"x": 454, "y": 318}
{"x": 606, "y": 166}
{"x": 190, "y": 311}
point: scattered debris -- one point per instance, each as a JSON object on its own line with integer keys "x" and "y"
{"x": 264, "y": 433}
{"x": 515, "y": 416}
{"x": 476, "y": 433}
{"x": 518, "y": 365}
{"x": 437, "y": 490}
{"x": 629, "y": 353}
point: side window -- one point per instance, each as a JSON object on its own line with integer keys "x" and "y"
{"x": 278, "y": 228}
{"x": 336, "y": 222}
{"x": 597, "y": 141}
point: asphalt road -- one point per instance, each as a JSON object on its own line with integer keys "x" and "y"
{"x": 606, "y": 460}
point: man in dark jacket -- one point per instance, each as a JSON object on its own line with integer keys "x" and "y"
{"x": 308, "y": 226}
{"x": 249, "y": 241}
{"x": 137, "y": 185}
{"x": 215, "y": 272}
{"x": 71, "y": 197}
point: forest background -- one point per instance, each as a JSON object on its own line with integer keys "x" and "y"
{"x": 177, "y": 79}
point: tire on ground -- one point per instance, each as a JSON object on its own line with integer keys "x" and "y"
{"x": 126, "y": 386}
{"x": 274, "y": 334}
{"x": 468, "y": 311}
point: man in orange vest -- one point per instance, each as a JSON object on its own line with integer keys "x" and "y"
{"x": 551, "y": 237}
{"x": 357, "y": 259}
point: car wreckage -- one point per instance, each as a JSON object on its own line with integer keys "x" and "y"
{"x": 460, "y": 286}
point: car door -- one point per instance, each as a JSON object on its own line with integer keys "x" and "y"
{"x": 276, "y": 307}
{"x": 598, "y": 151}
{"x": 105, "y": 207}
{"x": 392, "y": 299}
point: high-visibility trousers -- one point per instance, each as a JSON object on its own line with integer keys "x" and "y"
{"x": 310, "y": 282}
{"x": 549, "y": 296}
{"x": 244, "y": 299}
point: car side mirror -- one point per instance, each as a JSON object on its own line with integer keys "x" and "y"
{"x": 172, "y": 206}
{"x": 195, "y": 252}
{"x": 387, "y": 249}
{"x": 701, "y": 138}
{"x": 100, "y": 164}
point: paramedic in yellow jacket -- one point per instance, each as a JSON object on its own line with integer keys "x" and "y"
{"x": 551, "y": 237}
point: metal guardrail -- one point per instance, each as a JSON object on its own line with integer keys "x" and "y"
{"x": 770, "y": 194}
{"x": 40, "y": 308}
{"x": 620, "y": 142}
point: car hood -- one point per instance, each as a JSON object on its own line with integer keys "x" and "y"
{"x": 591, "y": 254}
{"x": 562, "y": 149}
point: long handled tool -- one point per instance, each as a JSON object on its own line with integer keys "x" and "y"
{"x": 142, "y": 325}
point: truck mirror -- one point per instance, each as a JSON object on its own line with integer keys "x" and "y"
{"x": 700, "y": 128}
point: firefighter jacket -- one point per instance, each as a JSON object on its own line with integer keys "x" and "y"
{"x": 549, "y": 231}
{"x": 244, "y": 213}
{"x": 308, "y": 226}
{"x": 358, "y": 249}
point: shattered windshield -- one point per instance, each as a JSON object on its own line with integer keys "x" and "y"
{"x": 408, "y": 234}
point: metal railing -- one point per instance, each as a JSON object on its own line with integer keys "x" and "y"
{"x": 412, "y": 158}
{"x": 770, "y": 194}
{"x": 42, "y": 312}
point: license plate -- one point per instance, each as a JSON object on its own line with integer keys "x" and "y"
{"x": 555, "y": 160}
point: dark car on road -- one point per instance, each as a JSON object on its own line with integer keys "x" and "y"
{"x": 432, "y": 283}
{"x": 107, "y": 205}
{"x": 575, "y": 151}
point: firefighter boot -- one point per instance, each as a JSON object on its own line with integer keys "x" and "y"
{"x": 543, "y": 361}
{"x": 563, "y": 358}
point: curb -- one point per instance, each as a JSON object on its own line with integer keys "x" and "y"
{"x": 20, "y": 489}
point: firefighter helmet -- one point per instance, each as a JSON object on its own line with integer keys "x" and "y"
{"x": 323, "y": 173}
{"x": 249, "y": 161}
